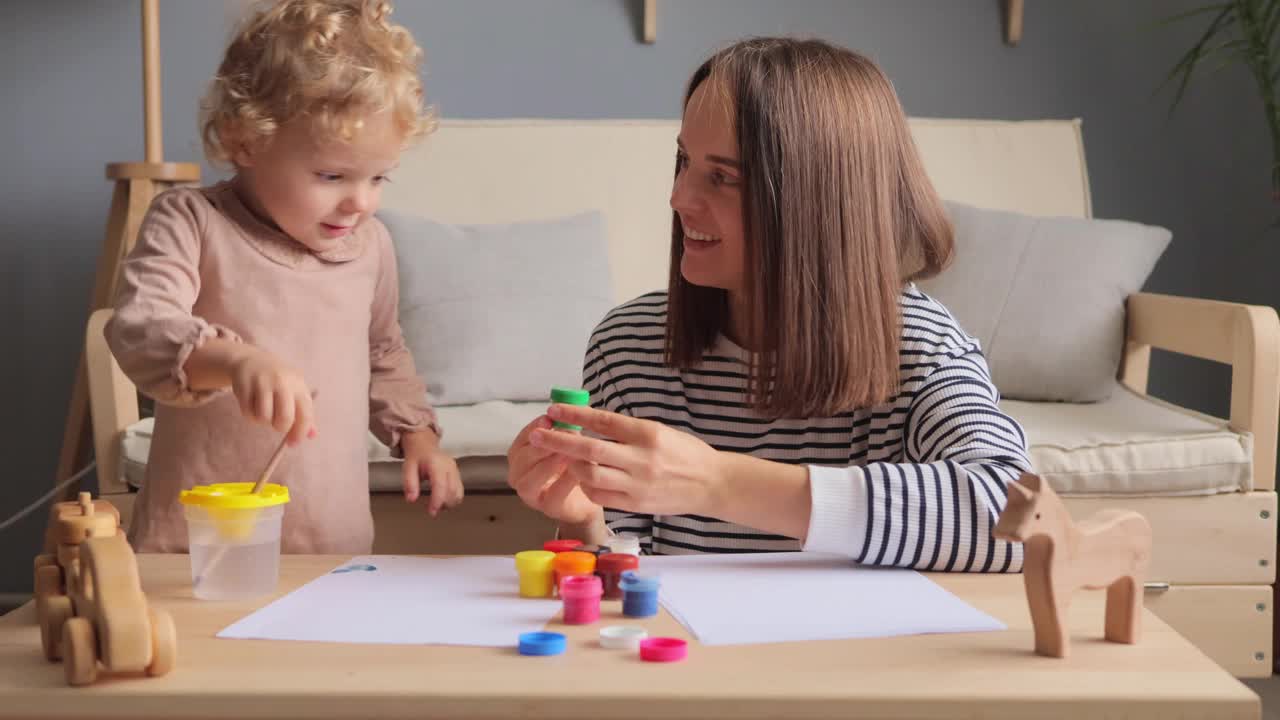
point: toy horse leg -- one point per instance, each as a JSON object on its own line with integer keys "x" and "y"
{"x": 1124, "y": 610}
{"x": 1051, "y": 633}
{"x": 1048, "y": 615}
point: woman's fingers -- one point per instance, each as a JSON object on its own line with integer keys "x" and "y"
{"x": 522, "y": 437}
{"x": 605, "y": 486}
{"x": 529, "y": 484}
{"x": 521, "y": 455}
{"x": 554, "y": 495}
{"x": 623, "y": 428}
{"x": 580, "y": 447}
{"x": 525, "y": 458}
{"x": 608, "y": 498}
{"x": 601, "y": 477}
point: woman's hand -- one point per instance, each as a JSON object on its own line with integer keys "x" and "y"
{"x": 538, "y": 476}
{"x": 649, "y": 468}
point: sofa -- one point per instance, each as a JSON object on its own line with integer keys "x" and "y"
{"x": 534, "y": 227}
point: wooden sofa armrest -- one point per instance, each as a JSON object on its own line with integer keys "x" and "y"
{"x": 113, "y": 404}
{"x": 1246, "y": 337}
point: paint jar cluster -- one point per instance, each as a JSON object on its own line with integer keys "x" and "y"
{"x": 583, "y": 577}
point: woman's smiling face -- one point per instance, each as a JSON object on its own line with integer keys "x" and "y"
{"x": 707, "y": 193}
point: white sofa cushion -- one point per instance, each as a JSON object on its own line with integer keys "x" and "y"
{"x": 1128, "y": 445}
{"x": 552, "y": 168}
{"x": 1045, "y": 296}
{"x": 500, "y": 311}
{"x": 1133, "y": 444}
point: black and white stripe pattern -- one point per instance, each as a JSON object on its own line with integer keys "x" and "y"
{"x": 916, "y": 482}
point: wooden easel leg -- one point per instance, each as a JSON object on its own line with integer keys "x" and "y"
{"x": 76, "y": 435}
{"x": 136, "y": 185}
{"x": 129, "y": 203}
{"x": 1124, "y": 610}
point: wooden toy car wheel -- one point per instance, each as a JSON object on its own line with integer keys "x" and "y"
{"x": 80, "y": 651}
{"x": 54, "y": 611}
{"x": 48, "y": 580}
{"x": 164, "y": 643}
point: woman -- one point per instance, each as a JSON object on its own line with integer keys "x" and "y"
{"x": 792, "y": 389}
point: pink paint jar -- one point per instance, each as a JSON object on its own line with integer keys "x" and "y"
{"x": 581, "y": 595}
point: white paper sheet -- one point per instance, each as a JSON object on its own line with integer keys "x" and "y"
{"x": 781, "y": 597}
{"x": 404, "y": 601}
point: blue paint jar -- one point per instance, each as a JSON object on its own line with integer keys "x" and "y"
{"x": 639, "y": 594}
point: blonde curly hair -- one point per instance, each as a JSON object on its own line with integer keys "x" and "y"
{"x": 332, "y": 62}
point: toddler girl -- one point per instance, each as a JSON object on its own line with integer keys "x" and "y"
{"x": 242, "y": 298}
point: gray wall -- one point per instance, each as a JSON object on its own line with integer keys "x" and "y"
{"x": 73, "y": 103}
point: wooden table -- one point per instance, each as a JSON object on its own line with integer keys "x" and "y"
{"x": 929, "y": 676}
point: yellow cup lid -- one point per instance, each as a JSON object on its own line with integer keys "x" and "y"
{"x": 234, "y": 495}
{"x": 534, "y": 560}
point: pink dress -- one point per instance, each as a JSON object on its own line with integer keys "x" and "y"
{"x": 205, "y": 266}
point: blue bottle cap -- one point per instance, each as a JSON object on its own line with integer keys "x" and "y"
{"x": 631, "y": 581}
{"x": 541, "y": 643}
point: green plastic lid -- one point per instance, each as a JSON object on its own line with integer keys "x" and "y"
{"x": 570, "y": 396}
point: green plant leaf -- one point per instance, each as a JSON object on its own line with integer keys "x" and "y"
{"x": 1228, "y": 54}
{"x": 1270, "y": 25}
{"x": 1245, "y": 32}
{"x": 1271, "y": 19}
{"x": 1187, "y": 64}
{"x": 1192, "y": 13}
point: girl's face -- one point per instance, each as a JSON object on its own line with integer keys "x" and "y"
{"x": 318, "y": 192}
{"x": 707, "y": 194}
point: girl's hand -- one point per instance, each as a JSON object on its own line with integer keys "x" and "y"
{"x": 649, "y": 468}
{"x": 424, "y": 458}
{"x": 272, "y": 393}
{"x": 539, "y": 478}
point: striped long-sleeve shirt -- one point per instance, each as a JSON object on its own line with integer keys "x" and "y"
{"x": 916, "y": 482}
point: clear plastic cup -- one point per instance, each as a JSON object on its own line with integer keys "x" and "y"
{"x": 625, "y": 544}
{"x": 234, "y": 538}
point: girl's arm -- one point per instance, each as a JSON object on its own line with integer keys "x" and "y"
{"x": 397, "y": 396}
{"x": 182, "y": 359}
{"x": 170, "y": 355}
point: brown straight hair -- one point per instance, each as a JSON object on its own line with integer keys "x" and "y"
{"x": 838, "y": 214}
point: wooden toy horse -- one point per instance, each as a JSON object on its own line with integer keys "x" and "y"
{"x": 1111, "y": 549}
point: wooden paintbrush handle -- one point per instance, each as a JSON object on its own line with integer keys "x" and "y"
{"x": 271, "y": 465}
{"x": 275, "y": 459}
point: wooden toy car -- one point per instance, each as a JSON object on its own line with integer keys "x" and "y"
{"x": 89, "y": 598}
